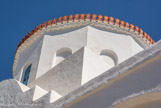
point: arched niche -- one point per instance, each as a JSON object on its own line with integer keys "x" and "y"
{"x": 62, "y": 54}
{"x": 26, "y": 73}
{"x": 109, "y": 56}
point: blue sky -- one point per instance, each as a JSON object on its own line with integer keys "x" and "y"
{"x": 18, "y": 17}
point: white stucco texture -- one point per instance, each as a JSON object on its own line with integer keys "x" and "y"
{"x": 93, "y": 66}
{"x": 105, "y": 50}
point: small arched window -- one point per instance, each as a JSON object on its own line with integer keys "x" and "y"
{"x": 26, "y": 74}
{"x": 61, "y": 54}
{"x": 109, "y": 57}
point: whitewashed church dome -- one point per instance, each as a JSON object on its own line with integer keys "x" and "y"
{"x": 64, "y": 54}
{"x": 85, "y": 61}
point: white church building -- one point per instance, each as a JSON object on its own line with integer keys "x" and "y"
{"x": 85, "y": 61}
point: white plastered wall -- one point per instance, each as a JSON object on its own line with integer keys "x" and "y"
{"x": 73, "y": 39}
{"x": 42, "y": 52}
{"x": 93, "y": 66}
{"x": 30, "y": 55}
{"x": 123, "y": 45}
